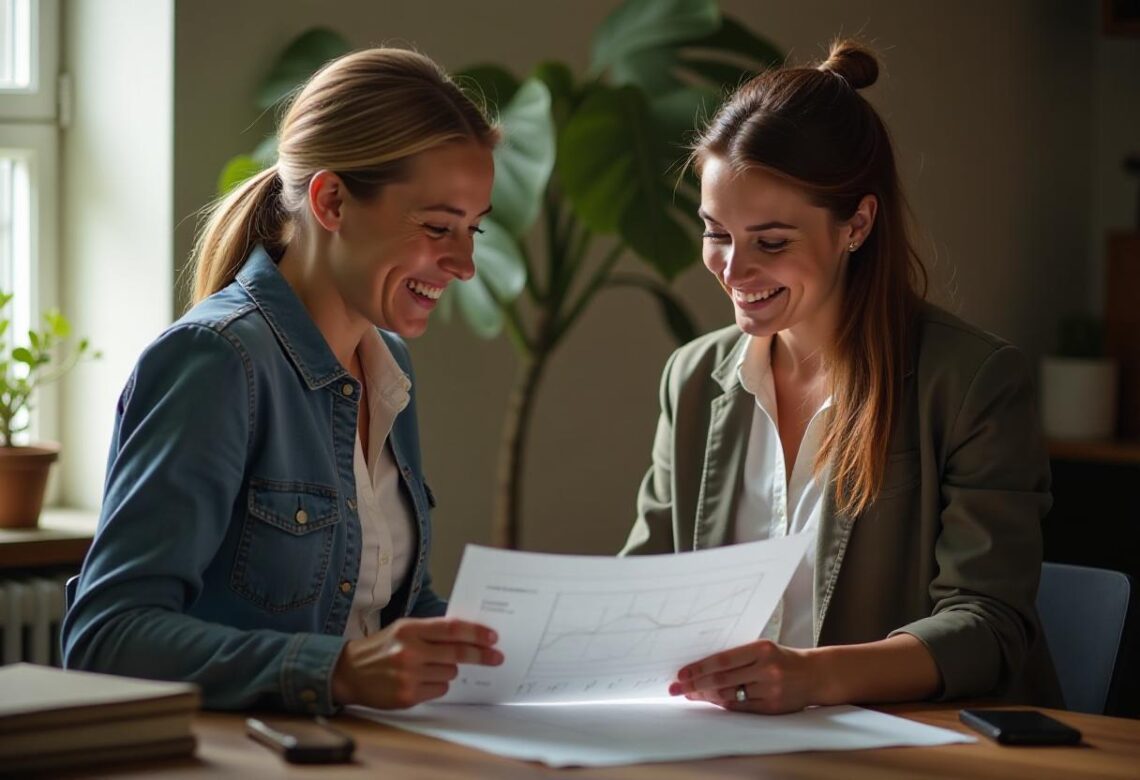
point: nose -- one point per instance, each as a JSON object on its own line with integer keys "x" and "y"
{"x": 723, "y": 263}
{"x": 461, "y": 262}
{"x": 736, "y": 270}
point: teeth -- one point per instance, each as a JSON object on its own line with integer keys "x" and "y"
{"x": 752, "y": 297}
{"x": 424, "y": 290}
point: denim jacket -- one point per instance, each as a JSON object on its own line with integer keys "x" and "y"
{"x": 228, "y": 545}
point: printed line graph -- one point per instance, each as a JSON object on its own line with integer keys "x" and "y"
{"x": 579, "y": 629}
{"x": 621, "y": 632}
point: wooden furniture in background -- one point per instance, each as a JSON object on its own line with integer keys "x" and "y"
{"x": 1112, "y": 452}
{"x": 1121, "y": 18}
{"x": 1111, "y": 748}
{"x": 1122, "y": 325}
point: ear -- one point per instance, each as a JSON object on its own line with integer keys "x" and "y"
{"x": 861, "y": 222}
{"x": 326, "y": 199}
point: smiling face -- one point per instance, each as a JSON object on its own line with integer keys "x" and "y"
{"x": 394, "y": 254}
{"x": 779, "y": 257}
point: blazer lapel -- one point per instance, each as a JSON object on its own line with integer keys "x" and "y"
{"x": 730, "y": 424}
{"x": 833, "y": 534}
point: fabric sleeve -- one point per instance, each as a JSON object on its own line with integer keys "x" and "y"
{"x": 177, "y": 462}
{"x": 995, "y": 492}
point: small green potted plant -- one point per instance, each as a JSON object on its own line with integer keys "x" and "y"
{"x": 45, "y": 358}
{"x": 1079, "y": 383}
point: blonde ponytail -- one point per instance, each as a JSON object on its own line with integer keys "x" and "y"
{"x": 249, "y": 215}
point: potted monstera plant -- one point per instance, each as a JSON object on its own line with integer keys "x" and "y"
{"x": 47, "y": 356}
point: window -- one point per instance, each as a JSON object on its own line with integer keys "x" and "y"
{"x": 16, "y": 33}
{"x": 29, "y": 187}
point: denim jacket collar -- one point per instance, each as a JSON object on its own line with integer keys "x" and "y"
{"x": 302, "y": 341}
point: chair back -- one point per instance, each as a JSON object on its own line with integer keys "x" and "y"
{"x": 1083, "y": 612}
{"x": 69, "y": 592}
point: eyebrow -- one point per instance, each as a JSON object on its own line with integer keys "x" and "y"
{"x": 751, "y": 228}
{"x": 444, "y": 207}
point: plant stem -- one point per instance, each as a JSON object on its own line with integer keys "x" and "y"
{"x": 507, "y": 521}
{"x": 596, "y": 281}
{"x": 516, "y": 329}
{"x": 532, "y": 285}
{"x": 555, "y": 245}
{"x": 506, "y": 524}
{"x": 577, "y": 244}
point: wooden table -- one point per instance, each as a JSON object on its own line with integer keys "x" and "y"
{"x": 1111, "y": 749}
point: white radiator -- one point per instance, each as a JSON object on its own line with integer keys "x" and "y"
{"x": 31, "y": 609}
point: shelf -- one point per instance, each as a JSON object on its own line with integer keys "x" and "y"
{"x": 1124, "y": 453}
{"x": 61, "y": 539}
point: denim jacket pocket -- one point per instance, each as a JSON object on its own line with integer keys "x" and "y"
{"x": 285, "y": 545}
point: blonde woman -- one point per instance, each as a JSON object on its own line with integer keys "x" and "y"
{"x": 840, "y": 405}
{"x": 265, "y": 527}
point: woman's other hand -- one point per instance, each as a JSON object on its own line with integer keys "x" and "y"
{"x": 778, "y": 679}
{"x": 410, "y": 661}
{"x": 775, "y": 679}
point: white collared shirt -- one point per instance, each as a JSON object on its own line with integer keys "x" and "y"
{"x": 770, "y": 504}
{"x": 386, "y": 523}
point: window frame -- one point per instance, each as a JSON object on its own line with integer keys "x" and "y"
{"x": 40, "y": 101}
{"x": 29, "y": 132}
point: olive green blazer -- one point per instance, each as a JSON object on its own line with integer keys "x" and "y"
{"x": 949, "y": 551}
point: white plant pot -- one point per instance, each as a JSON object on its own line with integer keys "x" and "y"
{"x": 1079, "y": 397}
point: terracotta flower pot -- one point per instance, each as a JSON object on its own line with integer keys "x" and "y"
{"x": 23, "y": 480}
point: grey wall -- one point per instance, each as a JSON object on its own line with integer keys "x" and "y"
{"x": 996, "y": 112}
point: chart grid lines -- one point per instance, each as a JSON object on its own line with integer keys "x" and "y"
{"x": 617, "y": 632}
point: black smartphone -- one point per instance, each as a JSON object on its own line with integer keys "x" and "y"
{"x": 303, "y": 741}
{"x": 1020, "y": 727}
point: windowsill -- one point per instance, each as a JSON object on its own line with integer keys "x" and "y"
{"x": 61, "y": 539}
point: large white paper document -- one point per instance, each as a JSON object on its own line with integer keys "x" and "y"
{"x": 627, "y": 732}
{"x": 592, "y": 628}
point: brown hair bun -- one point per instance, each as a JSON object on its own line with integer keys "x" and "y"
{"x": 855, "y": 63}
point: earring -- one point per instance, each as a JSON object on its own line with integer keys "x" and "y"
{"x": 852, "y": 246}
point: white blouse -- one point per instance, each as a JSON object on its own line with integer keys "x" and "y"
{"x": 386, "y": 523}
{"x": 771, "y": 505}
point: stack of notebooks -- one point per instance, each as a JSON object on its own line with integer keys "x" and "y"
{"x": 52, "y": 718}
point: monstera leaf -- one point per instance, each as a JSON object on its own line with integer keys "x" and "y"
{"x": 613, "y": 166}
{"x": 525, "y": 157}
{"x": 300, "y": 60}
{"x": 645, "y": 25}
{"x": 500, "y": 274}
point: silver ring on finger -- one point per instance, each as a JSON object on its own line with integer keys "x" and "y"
{"x": 741, "y": 694}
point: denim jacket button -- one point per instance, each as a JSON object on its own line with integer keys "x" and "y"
{"x": 347, "y": 389}
{"x": 308, "y": 695}
{"x": 301, "y": 517}
{"x": 345, "y": 586}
